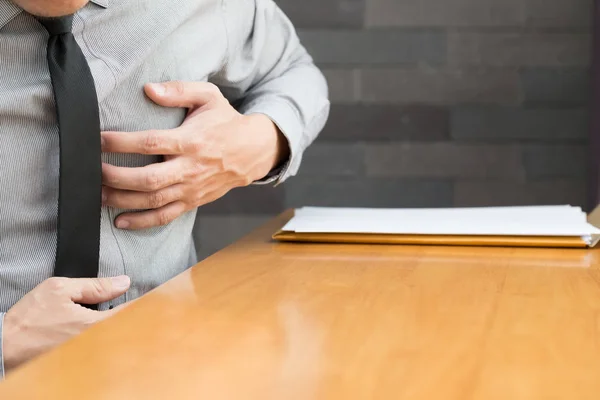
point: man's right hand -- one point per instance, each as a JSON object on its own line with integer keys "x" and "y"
{"x": 50, "y": 314}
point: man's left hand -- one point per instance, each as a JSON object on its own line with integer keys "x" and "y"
{"x": 215, "y": 150}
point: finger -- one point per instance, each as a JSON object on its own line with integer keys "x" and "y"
{"x": 151, "y": 219}
{"x": 94, "y": 291}
{"x": 183, "y": 94}
{"x": 128, "y": 199}
{"x": 144, "y": 179}
{"x": 155, "y": 142}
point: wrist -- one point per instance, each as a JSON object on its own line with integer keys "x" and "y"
{"x": 273, "y": 145}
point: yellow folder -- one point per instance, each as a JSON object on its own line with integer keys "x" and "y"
{"x": 446, "y": 240}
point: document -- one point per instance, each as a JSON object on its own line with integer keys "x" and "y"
{"x": 552, "y": 221}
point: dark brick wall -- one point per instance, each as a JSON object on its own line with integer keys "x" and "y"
{"x": 436, "y": 103}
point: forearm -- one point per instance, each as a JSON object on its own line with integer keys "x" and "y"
{"x": 269, "y": 72}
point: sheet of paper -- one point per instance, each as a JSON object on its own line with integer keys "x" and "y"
{"x": 519, "y": 221}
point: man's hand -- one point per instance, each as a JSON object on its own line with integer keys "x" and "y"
{"x": 215, "y": 150}
{"x": 50, "y": 314}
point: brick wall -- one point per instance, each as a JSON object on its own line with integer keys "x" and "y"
{"x": 435, "y": 103}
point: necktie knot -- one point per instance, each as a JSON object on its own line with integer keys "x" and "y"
{"x": 57, "y": 26}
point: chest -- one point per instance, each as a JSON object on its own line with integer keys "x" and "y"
{"x": 127, "y": 45}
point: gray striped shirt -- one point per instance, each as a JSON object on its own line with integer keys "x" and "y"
{"x": 246, "y": 47}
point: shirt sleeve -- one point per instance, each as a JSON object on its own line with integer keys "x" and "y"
{"x": 1, "y": 345}
{"x": 268, "y": 71}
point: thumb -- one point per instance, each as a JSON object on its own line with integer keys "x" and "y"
{"x": 98, "y": 290}
{"x": 183, "y": 94}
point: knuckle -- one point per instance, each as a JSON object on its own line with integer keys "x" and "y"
{"x": 198, "y": 199}
{"x": 179, "y": 88}
{"x": 245, "y": 181}
{"x": 152, "y": 180}
{"x": 213, "y": 90}
{"x": 156, "y": 199}
{"x": 99, "y": 286}
{"x": 55, "y": 284}
{"x": 178, "y": 176}
{"x": 194, "y": 170}
{"x": 179, "y": 146}
{"x": 152, "y": 142}
{"x": 111, "y": 197}
{"x": 164, "y": 218}
{"x": 195, "y": 147}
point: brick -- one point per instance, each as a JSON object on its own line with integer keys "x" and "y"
{"x": 441, "y": 86}
{"x": 559, "y": 13}
{"x": 481, "y": 194}
{"x": 340, "y": 159}
{"x": 213, "y": 233}
{"x": 358, "y": 192}
{"x": 343, "y": 85}
{"x": 480, "y": 13}
{"x": 383, "y": 122}
{"x": 446, "y": 13}
{"x": 564, "y": 86}
{"x": 511, "y": 123}
{"x": 555, "y": 161}
{"x": 249, "y": 200}
{"x": 518, "y": 49}
{"x": 445, "y": 160}
{"x": 375, "y": 47}
{"x": 324, "y": 13}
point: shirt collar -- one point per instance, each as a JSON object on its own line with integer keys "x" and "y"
{"x": 9, "y": 10}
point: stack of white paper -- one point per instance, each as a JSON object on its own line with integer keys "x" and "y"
{"x": 498, "y": 221}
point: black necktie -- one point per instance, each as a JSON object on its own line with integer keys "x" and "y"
{"x": 80, "y": 186}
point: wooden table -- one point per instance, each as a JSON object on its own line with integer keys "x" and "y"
{"x": 262, "y": 320}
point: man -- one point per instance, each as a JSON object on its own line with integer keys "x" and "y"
{"x": 194, "y": 98}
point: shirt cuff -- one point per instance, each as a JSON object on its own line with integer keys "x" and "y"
{"x": 274, "y": 176}
{"x": 285, "y": 117}
{"x": 1, "y": 345}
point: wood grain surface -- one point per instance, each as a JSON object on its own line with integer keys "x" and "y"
{"x": 265, "y": 320}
